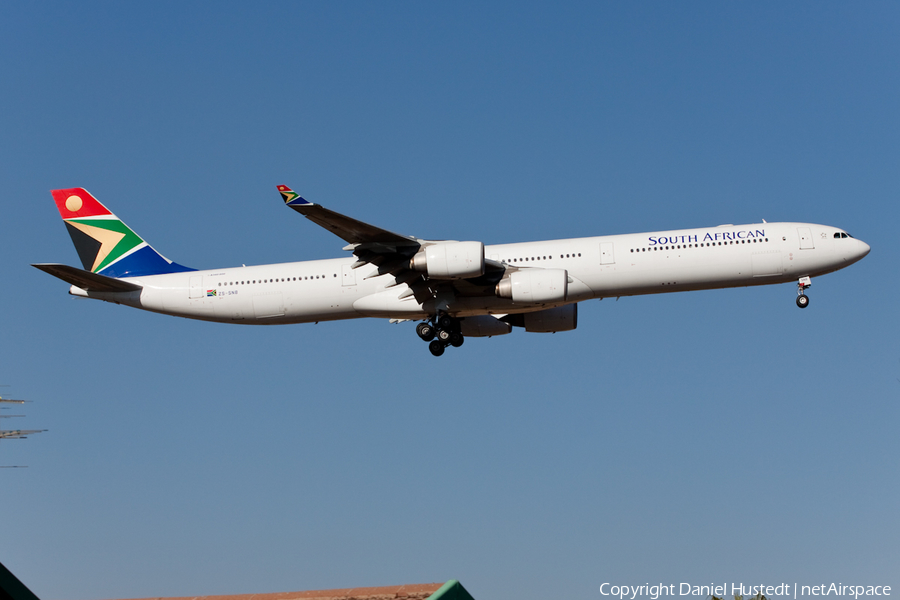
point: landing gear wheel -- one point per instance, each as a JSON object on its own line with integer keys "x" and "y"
{"x": 444, "y": 335}
{"x": 436, "y": 347}
{"x": 802, "y": 300}
{"x": 456, "y": 339}
{"x": 425, "y": 331}
{"x": 446, "y": 322}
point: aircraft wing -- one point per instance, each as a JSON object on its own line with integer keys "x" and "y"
{"x": 346, "y": 228}
{"x": 390, "y": 252}
{"x": 14, "y": 434}
{"x": 91, "y": 282}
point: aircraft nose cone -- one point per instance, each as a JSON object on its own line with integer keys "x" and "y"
{"x": 864, "y": 248}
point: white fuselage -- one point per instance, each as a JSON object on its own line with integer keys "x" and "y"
{"x": 598, "y": 267}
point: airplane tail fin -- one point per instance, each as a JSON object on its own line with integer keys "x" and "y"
{"x": 105, "y": 244}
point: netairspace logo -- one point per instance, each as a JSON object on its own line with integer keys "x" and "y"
{"x": 654, "y": 592}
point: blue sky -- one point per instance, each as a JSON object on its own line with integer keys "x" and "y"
{"x": 710, "y": 436}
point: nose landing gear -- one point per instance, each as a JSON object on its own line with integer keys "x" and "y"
{"x": 803, "y": 299}
{"x": 440, "y": 332}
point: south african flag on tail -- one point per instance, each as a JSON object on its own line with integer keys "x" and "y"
{"x": 105, "y": 244}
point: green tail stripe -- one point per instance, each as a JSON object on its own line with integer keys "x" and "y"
{"x": 128, "y": 242}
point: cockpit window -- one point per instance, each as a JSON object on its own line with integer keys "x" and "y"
{"x": 841, "y": 234}
{"x": 837, "y": 235}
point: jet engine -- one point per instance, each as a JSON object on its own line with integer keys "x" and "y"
{"x": 450, "y": 260}
{"x": 549, "y": 320}
{"x": 535, "y": 285}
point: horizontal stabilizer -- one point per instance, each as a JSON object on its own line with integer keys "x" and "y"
{"x": 90, "y": 282}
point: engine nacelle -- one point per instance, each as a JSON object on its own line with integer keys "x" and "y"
{"x": 549, "y": 320}
{"x": 483, "y": 326}
{"x": 535, "y": 285}
{"x": 450, "y": 260}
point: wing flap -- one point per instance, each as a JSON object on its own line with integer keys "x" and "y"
{"x": 86, "y": 280}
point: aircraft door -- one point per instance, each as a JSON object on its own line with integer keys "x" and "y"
{"x": 348, "y": 275}
{"x": 806, "y": 238}
{"x": 196, "y": 286}
{"x": 606, "y": 254}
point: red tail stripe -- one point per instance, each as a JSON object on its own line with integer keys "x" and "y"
{"x": 77, "y": 202}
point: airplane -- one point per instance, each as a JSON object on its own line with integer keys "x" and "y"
{"x": 2, "y": 400}
{"x": 12, "y": 401}
{"x": 18, "y": 434}
{"x": 456, "y": 289}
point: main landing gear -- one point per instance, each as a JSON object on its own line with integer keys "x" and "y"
{"x": 440, "y": 332}
{"x": 803, "y": 299}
